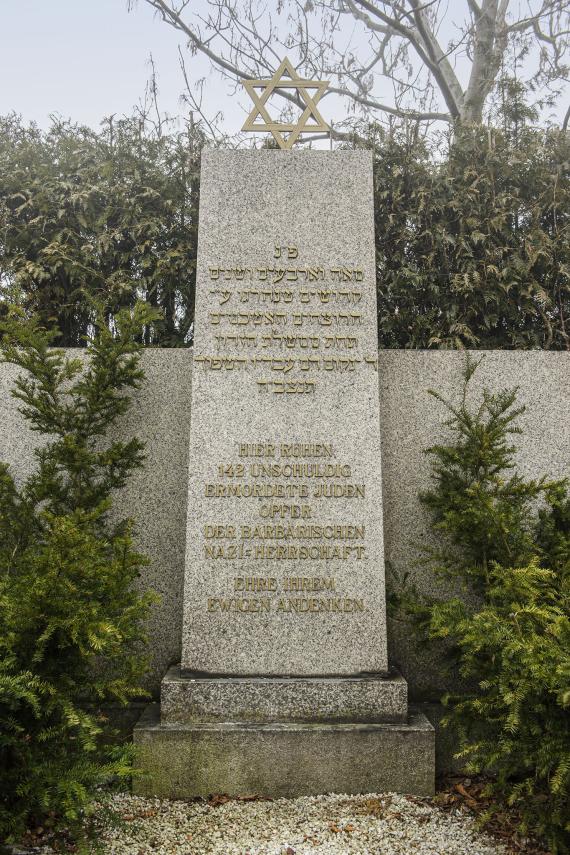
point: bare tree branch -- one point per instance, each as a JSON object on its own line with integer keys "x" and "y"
{"x": 440, "y": 66}
{"x": 393, "y": 111}
{"x": 385, "y": 58}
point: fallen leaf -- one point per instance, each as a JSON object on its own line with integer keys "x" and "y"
{"x": 373, "y": 806}
{"x": 466, "y": 795}
{"x": 217, "y": 799}
{"x": 461, "y": 789}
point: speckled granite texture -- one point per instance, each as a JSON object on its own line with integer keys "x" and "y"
{"x": 282, "y": 759}
{"x": 155, "y": 497}
{"x": 300, "y": 699}
{"x": 316, "y": 208}
{"x": 410, "y": 420}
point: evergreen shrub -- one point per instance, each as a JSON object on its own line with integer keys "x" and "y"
{"x": 108, "y": 214}
{"x": 508, "y": 540}
{"x": 473, "y": 246}
{"x": 71, "y": 623}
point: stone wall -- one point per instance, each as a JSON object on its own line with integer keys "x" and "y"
{"x": 155, "y": 497}
{"x": 411, "y": 420}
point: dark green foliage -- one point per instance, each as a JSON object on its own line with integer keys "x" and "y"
{"x": 70, "y": 620}
{"x": 111, "y": 215}
{"x": 473, "y": 246}
{"x": 472, "y": 237}
{"x": 512, "y": 639}
{"x": 479, "y": 502}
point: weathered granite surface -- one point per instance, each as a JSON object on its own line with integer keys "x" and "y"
{"x": 283, "y": 687}
{"x": 410, "y": 421}
{"x": 185, "y": 699}
{"x": 283, "y": 759}
{"x": 285, "y": 399}
{"x": 155, "y": 496}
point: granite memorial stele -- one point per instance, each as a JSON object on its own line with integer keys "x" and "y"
{"x": 284, "y": 687}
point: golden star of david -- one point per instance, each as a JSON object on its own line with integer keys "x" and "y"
{"x": 286, "y": 77}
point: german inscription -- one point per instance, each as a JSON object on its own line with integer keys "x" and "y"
{"x": 284, "y": 570}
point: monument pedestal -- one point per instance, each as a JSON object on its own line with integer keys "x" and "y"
{"x": 284, "y": 687}
{"x": 283, "y": 737}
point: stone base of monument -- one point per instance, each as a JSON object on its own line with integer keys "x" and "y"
{"x": 284, "y": 571}
{"x": 283, "y": 737}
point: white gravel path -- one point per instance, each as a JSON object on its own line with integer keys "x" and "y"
{"x": 325, "y": 825}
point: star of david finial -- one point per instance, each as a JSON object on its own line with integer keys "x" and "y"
{"x": 286, "y": 77}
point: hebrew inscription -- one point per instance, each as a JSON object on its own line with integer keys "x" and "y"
{"x": 289, "y": 307}
{"x": 284, "y": 567}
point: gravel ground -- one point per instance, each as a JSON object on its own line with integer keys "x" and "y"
{"x": 327, "y": 825}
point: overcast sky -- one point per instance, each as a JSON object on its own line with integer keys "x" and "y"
{"x": 86, "y": 59}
